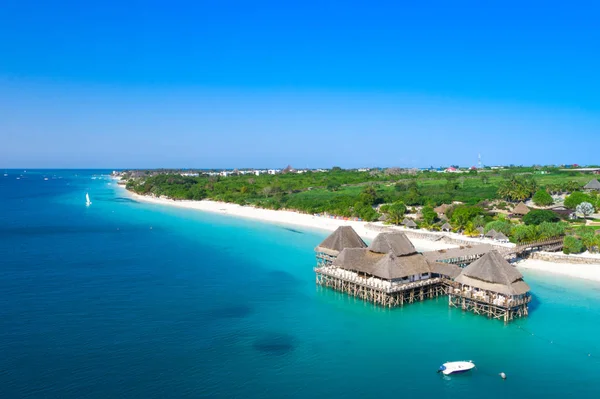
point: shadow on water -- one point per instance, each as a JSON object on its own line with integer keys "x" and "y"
{"x": 534, "y": 304}
{"x": 275, "y": 344}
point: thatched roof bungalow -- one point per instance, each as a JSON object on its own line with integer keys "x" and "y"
{"x": 392, "y": 257}
{"x": 491, "y": 234}
{"x": 396, "y": 243}
{"x": 593, "y": 185}
{"x": 384, "y": 266}
{"x": 494, "y": 275}
{"x": 500, "y": 237}
{"x": 446, "y": 227}
{"x": 441, "y": 210}
{"x": 521, "y": 209}
{"x": 480, "y": 231}
{"x": 409, "y": 223}
{"x": 343, "y": 237}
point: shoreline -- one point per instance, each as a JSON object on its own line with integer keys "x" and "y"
{"x": 289, "y": 218}
{"x": 589, "y": 272}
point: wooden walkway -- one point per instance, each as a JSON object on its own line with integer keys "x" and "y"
{"x": 551, "y": 244}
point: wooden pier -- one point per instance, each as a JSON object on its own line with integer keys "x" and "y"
{"x": 525, "y": 248}
{"x": 381, "y": 294}
{"x": 391, "y": 273}
{"x": 462, "y": 256}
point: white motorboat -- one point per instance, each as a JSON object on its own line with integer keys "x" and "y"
{"x": 456, "y": 367}
{"x": 87, "y": 200}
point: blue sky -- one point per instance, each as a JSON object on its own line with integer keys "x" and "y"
{"x": 270, "y": 83}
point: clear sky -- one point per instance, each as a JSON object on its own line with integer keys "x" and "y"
{"x": 258, "y": 83}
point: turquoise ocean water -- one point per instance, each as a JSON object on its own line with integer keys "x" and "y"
{"x": 126, "y": 299}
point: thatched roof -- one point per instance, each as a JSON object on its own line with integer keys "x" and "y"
{"x": 593, "y": 185}
{"x": 342, "y": 237}
{"x": 445, "y": 269}
{"x": 491, "y": 234}
{"x": 455, "y": 253}
{"x": 520, "y": 209}
{"x": 480, "y": 230}
{"x": 397, "y": 243}
{"x": 493, "y": 273}
{"x": 385, "y": 266}
{"x": 446, "y": 226}
{"x": 500, "y": 237}
{"x": 409, "y": 223}
{"x": 440, "y": 210}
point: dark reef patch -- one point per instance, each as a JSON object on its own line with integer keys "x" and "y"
{"x": 292, "y": 230}
{"x": 276, "y": 344}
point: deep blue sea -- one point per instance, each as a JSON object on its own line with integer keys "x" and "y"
{"x": 132, "y": 300}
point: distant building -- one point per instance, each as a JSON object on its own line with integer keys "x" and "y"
{"x": 563, "y": 212}
{"x": 520, "y": 210}
{"x": 593, "y": 185}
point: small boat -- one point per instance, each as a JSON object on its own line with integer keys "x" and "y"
{"x": 456, "y": 367}
{"x": 87, "y": 200}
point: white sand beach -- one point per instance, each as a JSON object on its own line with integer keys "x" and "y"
{"x": 576, "y": 270}
{"x": 283, "y": 217}
{"x": 584, "y": 271}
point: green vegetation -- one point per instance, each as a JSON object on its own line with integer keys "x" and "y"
{"x": 542, "y": 198}
{"x": 367, "y": 195}
{"x": 577, "y": 198}
{"x": 429, "y": 215}
{"x": 460, "y": 216}
{"x": 394, "y": 213}
{"x": 499, "y": 226}
{"x": 572, "y": 245}
{"x": 538, "y": 216}
{"x": 516, "y": 188}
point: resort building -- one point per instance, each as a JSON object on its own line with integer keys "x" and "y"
{"x": 409, "y": 223}
{"x": 343, "y": 237}
{"x": 491, "y": 286}
{"x": 593, "y": 185}
{"x": 500, "y": 237}
{"x": 446, "y": 227}
{"x": 563, "y": 212}
{"x": 441, "y": 210}
{"x": 491, "y": 234}
{"x": 390, "y": 272}
{"x": 520, "y": 210}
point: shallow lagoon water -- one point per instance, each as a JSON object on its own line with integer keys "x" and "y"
{"x": 127, "y": 299}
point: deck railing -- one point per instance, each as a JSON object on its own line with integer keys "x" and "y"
{"x": 380, "y": 285}
{"x": 510, "y": 303}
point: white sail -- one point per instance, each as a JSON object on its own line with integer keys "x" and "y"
{"x": 87, "y": 199}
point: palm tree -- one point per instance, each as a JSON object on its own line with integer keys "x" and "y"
{"x": 470, "y": 230}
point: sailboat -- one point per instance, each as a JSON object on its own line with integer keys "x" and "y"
{"x": 87, "y": 200}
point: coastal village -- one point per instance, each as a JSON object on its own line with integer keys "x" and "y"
{"x": 390, "y": 272}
